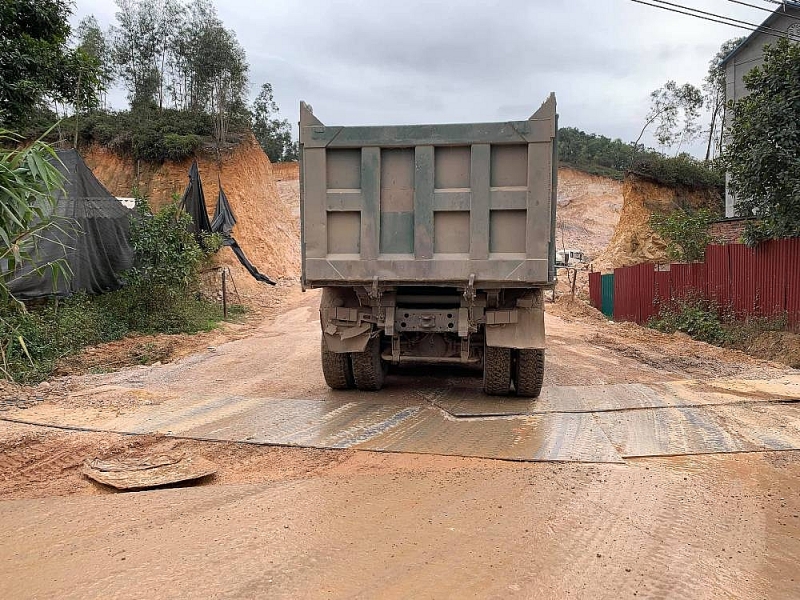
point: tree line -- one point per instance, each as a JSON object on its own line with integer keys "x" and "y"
{"x": 173, "y": 57}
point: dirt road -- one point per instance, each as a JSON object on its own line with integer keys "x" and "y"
{"x": 300, "y": 522}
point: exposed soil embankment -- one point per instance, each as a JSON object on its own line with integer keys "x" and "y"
{"x": 633, "y": 241}
{"x": 267, "y": 230}
{"x": 588, "y": 210}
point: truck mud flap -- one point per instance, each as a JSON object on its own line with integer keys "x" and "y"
{"x": 351, "y": 339}
{"x": 527, "y": 332}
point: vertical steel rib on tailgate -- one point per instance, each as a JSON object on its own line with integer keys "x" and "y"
{"x": 429, "y": 203}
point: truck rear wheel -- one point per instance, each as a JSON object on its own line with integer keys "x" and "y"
{"x": 497, "y": 371}
{"x": 336, "y": 368}
{"x": 529, "y": 374}
{"x": 369, "y": 370}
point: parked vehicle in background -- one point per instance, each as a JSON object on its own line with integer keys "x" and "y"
{"x": 433, "y": 244}
{"x": 569, "y": 258}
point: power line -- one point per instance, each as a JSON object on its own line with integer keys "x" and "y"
{"x": 715, "y": 19}
{"x": 710, "y": 14}
{"x": 764, "y": 8}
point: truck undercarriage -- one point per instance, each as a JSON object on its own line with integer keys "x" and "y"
{"x": 366, "y": 329}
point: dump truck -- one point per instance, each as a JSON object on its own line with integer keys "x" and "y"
{"x": 433, "y": 244}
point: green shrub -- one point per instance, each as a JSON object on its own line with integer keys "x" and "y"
{"x": 177, "y": 147}
{"x": 694, "y": 317}
{"x": 686, "y": 233}
{"x": 149, "y": 134}
{"x": 53, "y": 330}
{"x": 740, "y": 334}
{"x": 161, "y": 296}
{"x": 599, "y": 155}
{"x": 681, "y": 170}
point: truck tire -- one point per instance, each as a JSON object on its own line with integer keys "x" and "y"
{"x": 336, "y": 368}
{"x": 529, "y": 373}
{"x": 369, "y": 371}
{"x": 497, "y": 371}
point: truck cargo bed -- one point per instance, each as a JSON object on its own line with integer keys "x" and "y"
{"x": 429, "y": 204}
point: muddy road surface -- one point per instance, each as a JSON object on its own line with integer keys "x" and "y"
{"x": 653, "y": 466}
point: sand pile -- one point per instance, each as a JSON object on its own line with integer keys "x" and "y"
{"x": 633, "y": 241}
{"x": 267, "y": 230}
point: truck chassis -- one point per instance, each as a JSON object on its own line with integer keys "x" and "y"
{"x": 366, "y": 329}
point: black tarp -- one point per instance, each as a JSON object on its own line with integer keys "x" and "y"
{"x": 93, "y": 235}
{"x": 224, "y": 219}
{"x": 194, "y": 203}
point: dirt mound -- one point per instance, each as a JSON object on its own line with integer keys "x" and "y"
{"x": 569, "y": 309}
{"x": 780, "y": 346}
{"x": 267, "y": 230}
{"x": 588, "y": 210}
{"x": 633, "y": 241}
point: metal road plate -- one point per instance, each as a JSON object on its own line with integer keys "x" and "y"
{"x": 572, "y": 423}
{"x": 680, "y": 431}
{"x": 563, "y": 437}
{"x": 309, "y": 423}
{"x": 471, "y": 402}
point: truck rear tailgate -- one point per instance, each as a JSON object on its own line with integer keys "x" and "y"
{"x": 429, "y": 204}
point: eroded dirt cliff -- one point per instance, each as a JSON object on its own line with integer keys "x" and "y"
{"x": 267, "y": 229}
{"x": 588, "y": 210}
{"x": 634, "y": 241}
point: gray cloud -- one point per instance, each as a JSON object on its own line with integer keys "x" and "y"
{"x": 417, "y": 61}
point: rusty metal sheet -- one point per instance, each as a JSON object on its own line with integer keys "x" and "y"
{"x": 564, "y": 437}
{"x": 140, "y": 473}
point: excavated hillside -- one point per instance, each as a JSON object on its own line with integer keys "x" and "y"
{"x": 633, "y": 241}
{"x": 268, "y": 230}
{"x": 588, "y": 211}
{"x": 588, "y": 205}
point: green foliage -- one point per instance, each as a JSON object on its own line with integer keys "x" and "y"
{"x": 714, "y": 96}
{"x": 273, "y": 133}
{"x": 694, "y": 317}
{"x": 599, "y": 155}
{"x": 161, "y": 292}
{"x": 594, "y": 154}
{"x": 681, "y": 170}
{"x": 173, "y": 51}
{"x": 763, "y": 150}
{"x": 674, "y": 109}
{"x": 148, "y": 134}
{"x": 36, "y": 64}
{"x": 29, "y": 180}
{"x": 686, "y": 233}
{"x": 741, "y": 334}
{"x": 177, "y": 147}
{"x": 161, "y": 296}
{"x": 167, "y": 254}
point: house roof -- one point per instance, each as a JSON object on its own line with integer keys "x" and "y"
{"x": 781, "y": 10}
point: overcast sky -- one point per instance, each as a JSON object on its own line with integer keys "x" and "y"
{"x": 411, "y": 61}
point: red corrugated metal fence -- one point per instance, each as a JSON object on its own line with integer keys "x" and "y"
{"x": 595, "y": 290}
{"x": 762, "y": 281}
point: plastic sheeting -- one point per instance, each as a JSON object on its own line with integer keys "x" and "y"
{"x": 194, "y": 203}
{"x": 92, "y": 236}
{"x": 224, "y": 219}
